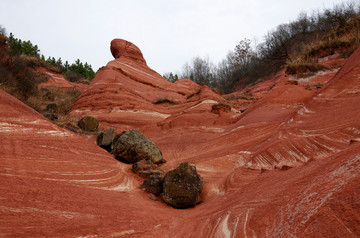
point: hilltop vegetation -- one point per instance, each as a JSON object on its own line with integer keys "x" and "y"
{"x": 19, "y": 76}
{"x": 295, "y": 45}
{"x": 74, "y": 72}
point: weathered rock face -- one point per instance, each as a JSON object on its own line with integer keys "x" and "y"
{"x": 105, "y": 138}
{"x": 88, "y": 123}
{"x": 182, "y": 186}
{"x": 132, "y": 146}
{"x": 124, "y": 92}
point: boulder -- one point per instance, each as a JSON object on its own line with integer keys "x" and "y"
{"x": 153, "y": 184}
{"x": 132, "y": 146}
{"x": 182, "y": 186}
{"x": 88, "y": 123}
{"x": 105, "y": 138}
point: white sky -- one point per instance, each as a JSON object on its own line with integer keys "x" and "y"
{"x": 168, "y": 32}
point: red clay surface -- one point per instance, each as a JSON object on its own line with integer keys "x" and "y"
{"x": 289, "y": 166}
{"x": 58, "y": 80}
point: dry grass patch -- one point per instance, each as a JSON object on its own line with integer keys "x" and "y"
{"x": 165, "y": 100}
{"x": 300, "y": 66}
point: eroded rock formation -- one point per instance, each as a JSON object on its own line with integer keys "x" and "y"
{"x": 287, "y": 166}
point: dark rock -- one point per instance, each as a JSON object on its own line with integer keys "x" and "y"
{"x": 153, "y": 184}
{"x": 52, "y": 108}
{"x": 243, "y": 110}
{"x": 132, "y": 146}
{"x": 50, "y": 116}
{"x": 88, "y": 123}
{"x": 182, "y": 186}
{"x": 105, "y": 138}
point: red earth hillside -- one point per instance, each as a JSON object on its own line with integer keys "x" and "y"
{"x": 287, "y": 166}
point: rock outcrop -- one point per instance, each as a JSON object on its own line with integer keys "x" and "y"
{"x": 121, "y": 48}
{"x": 182, "y": 186}
{"x": 132, "y": 146}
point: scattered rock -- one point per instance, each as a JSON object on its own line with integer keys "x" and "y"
{"x": 105, "y": 138}
{"x": 50, "y": 116}
{"x": 145, "y": 168}
{"x": 52, "y": 108}
{"x": 132, "y": 146}
{"x": 182, "y": 186}
{"x": 88, "y": 123}
{"x": 153, "y": 184}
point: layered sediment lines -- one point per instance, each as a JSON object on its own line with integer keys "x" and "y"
{"x": 287, "y": 166}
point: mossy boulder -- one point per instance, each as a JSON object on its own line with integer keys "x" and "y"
{"x": 132, "y": 146}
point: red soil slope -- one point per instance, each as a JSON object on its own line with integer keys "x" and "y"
{"x": 288, "y": 166}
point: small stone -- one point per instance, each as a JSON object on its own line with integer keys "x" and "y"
{"x": 153, "y": 184}
{"x": 50, "y": 116}
{"x": 145, "y": 168}
{"x": 88, "y": 123}
{"x": 105, "y": 138}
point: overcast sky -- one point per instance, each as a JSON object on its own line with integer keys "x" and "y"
{"x": 168, "y": 32}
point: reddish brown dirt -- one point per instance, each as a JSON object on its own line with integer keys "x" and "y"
{"x": 289, "y": 166}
